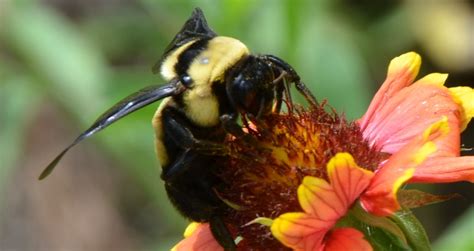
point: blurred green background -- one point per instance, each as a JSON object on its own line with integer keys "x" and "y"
{"x": 64, "y": 62}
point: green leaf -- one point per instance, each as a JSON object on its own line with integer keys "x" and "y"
{"x": 381, "y": 233}
{"x": 380, "y": 222}
{"x": 413, "y": 230}
{"x": 382, "y": 240}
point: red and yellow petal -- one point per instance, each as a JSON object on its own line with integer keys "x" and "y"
{"x": 347, "y": 178}
{"x": 198, "y": 237}
{"x": 405, "y": 113}
{"x": 380, "y": 198}
{"x": 300, "y": 231}
{"x": 344, "y": 239}
{"x": 401, "y": 73}
{"x": 402, "y": 112}
{"x": 317, "y": 197}
{"x": 330, "y": 201}
{"x": 324, "y": 204}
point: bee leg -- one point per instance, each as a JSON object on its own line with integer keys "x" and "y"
{"x": 179, "y": 166}
{"x": 190, "y": 188}
{"x": 222, "y": 234}
{"x": 303, "y": 89}
{"x": 231, "y": 126}
{"x": 293, "y": 77}
{"x": 184, "y": 138}
{"x": 263, "y": 128}
{"x": 229, "y": 122}
{"x": 280, "y": 88}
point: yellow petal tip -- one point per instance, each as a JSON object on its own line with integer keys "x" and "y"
{"x": 434, "y": 79}
{"x": 190, "y": 229}
{"x": 464, "y": 96}
{"x": 340, "y": 159}
{"x": 285, "y": 224}
{"x": 409, "y": 62}
{"x": 343, "y": 159}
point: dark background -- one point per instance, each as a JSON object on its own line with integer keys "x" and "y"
{"x": 64, "y": 62}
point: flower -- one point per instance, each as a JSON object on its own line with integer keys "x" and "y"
{"x": 396, "y": 119}
{"x": 312, "y": 166}
{"x": 311, "y": 230}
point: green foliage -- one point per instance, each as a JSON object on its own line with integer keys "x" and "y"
{"x": 413, "y": 230}
{"x": 459, "y": 234}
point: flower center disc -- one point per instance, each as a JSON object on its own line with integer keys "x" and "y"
{"x": 261, "y": 178}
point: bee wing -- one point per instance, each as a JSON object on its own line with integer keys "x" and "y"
{"x": 124, "y": 107}
{"x": 196, "y": 27}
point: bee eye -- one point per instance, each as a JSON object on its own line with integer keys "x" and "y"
{"x": 186, "y": 80}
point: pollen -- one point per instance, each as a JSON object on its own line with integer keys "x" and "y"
{"x": 262, "y": 176}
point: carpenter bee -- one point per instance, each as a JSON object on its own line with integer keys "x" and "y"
{"x": 211, "y": 81}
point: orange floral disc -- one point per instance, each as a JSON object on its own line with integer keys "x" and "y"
{"x": 264, "y": 183}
